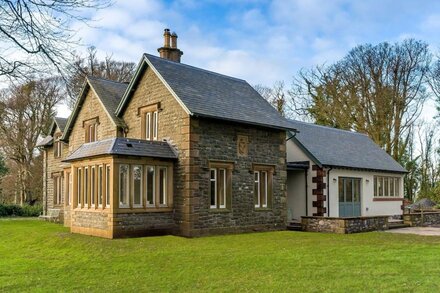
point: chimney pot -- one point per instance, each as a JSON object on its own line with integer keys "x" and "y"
{"x": 170, "y": 52}
{"x": 166, "y": 38}
{"x": 174, "y": 40}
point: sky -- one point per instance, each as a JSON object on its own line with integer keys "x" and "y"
{"x": 259, "y": 41}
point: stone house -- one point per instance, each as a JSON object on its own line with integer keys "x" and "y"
{"x": 178, "y": 150}
{"x": 339, "y": 173}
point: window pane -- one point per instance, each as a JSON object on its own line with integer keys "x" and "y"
{"x": 392, "y": 187}
{"x": 86, "y": 186}
{"x": 107, "y": 186}
{"x": 155, "y": 125}
{"x": 341, "y": 189}
{"x": 100, "y": 185}
{"x": 348, "y": 190}
{"x": 69, "y": 190}
{"x": 148, "y": 126}
{"x": 222, "y": 188}
{"x": 356, "y": 190}
{"x": 137, "y": 185}
{"x": 79, "y": 187}
{"x": 150, "y": 185}
{"x": 397, "y": 185}
{"x": 263, "y": 192}
{"x": 92, "y": 186}
{"x": 123, "y": 185}
{"x": 380, "y": 182}
{"x": 375, "y": 186}
{"x": 162, "y": 186}
{"x": 55, "y": 189}
{"x": 257, "y": 188}
{"x": 213, "y": 189}
{"x": 386, "y": 187}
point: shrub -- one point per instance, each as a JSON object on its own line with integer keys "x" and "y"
{"x": 20, "y": 211}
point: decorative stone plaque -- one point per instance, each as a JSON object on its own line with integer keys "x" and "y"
{"x": 242, "y": 145}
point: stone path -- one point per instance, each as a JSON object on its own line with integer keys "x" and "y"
{"x": 424, "y": 231}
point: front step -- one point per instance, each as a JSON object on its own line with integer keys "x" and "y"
{"x": 397, "y": 225}
{"x": 294, "y": 226}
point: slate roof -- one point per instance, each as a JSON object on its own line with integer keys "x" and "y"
{"x": 340, "y": 148}
{"x": 110, "y": 93}
{"x": 47, "y": 141}
{"x": 61, "y": 122}
{"x": 124, "y": 147}
{"x": 209, "y": 94}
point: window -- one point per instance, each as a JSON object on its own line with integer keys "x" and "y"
{"x": 163, "y": 186}
{"x": 263, "y": 185}
{"x": 69, "y": 188}
{"x": 58, "y": 146}
{"x": 150, "y": 188}
{"x": 91, "y": 130}
{"x": 79, "y": 186}
{"x": 57, "y": 189}
{"x": 100, "y": 194}
{"x": 137, "y": 185}
{"x": 92, "y": 186}
{"x": 220, "y": 185}
{"x": 148, "y": 126}
{"x": 386, "y": 186}
{"x": 154, "y": 125}
{"x": 123, "y": 185}
{"x": 107, "y": 186}
{"x": 86, "y": 187}
{"x": 149, "y": 121}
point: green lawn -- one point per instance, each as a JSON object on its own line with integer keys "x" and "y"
{"x": 40, "y": 256}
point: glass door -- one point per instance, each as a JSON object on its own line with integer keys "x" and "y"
{"x": 349, "y": 197}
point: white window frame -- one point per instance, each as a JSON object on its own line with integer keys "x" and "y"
{"x": 148, "y": 126}
{"x": 107, "y": 186}
{"x": 155, "y": 122}
{"x": 69, "y": 189}
{"x": 257, "y": 181}
{"x": 146, "y": 186}
{"x": 214, "y": 206}
{"x": 127, "y": 189}
{"x": 139, "y": 205}
{"x": 390, "y": 181}
{"x": 223, "y": 206}
{"x": 165, "y": 187}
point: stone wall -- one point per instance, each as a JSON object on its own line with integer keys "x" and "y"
{"x": 422, "y": 219}
{"x": 217, "y": 141}
{"x": 96, "y": 222}
{"x": 142, "y": 224}
{"x": 344, "y": 225}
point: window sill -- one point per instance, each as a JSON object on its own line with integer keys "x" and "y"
{"x": 388, "y": 199}
{"x": 145, "y": 210}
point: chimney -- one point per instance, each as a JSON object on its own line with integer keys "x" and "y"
{"x": 170, "y": 52}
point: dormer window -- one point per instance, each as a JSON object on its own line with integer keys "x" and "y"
{"x": 149, "y": 121}
{"x": 91, "y": 129}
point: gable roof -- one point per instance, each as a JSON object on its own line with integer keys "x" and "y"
{"x": 341, "y": 148}
{"x": 108, "y": 92}
{"x": 48, "y": 140}
{"x": 124, "y": 147}
{"x": 208, "y": 94}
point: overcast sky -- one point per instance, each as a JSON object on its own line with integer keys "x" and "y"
{"x": 260, "y": 41}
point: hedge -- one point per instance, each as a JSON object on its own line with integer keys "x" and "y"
{"x": 12, "y": 210}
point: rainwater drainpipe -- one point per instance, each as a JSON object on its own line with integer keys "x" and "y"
{"x": 328, "y": 192}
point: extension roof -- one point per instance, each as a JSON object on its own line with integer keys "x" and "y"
{"x": 109, "y": 93}
{"x": 333, "y": 147}
{"x": 208, "y": 94}
{"x": 124, "y": 147}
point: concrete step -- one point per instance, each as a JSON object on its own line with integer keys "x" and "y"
{"x": 294, "y": 226}
{"x": 397, "y": 225}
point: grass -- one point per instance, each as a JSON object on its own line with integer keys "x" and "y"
{"x": 45, "y": 257}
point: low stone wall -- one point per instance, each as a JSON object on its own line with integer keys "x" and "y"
{"x": 422, "y": 219}
{"x": 344, "y": 225}
{"x": 143, "y": 224}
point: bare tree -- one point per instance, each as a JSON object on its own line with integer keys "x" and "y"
{"x": 37, "y": 35}
{"x": 26, "y": 112}
{"x": 90, "y": 66}
{"x": 378, "y": 90}
{"x": 276, "y": 96}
